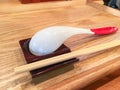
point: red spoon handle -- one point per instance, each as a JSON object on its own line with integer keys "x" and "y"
{"x": 104, "y": 30}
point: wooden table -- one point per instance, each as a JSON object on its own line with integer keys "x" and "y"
{"x": 19, "y": 23}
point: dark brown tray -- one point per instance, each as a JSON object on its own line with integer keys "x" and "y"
{"x": 32, "y": 58}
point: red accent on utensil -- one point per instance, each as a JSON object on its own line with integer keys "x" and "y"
{"x": 104, "y": 30}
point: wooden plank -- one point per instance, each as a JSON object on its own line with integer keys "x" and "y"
{"x": 14, "y": 6}
{"x": 102, "y": 7}
{"x": 103, "y": 81}
{"x": 17, "y": 26}
{"x": 80, "y": 80}
{"x": 112, "y": 85}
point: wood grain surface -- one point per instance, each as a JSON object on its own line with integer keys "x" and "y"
{"x": 19, "y": 23}
{"x": 112, "y": 85}
{"x": 99, "y": 5}
{"x": 14, "y": 6}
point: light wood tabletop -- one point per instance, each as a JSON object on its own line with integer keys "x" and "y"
{"x": 22, "y": 21}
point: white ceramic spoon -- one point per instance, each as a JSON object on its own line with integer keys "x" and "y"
{"x": 50, "y": 39}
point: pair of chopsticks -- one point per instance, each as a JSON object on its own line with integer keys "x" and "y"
{"x": 64, "y": 57}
